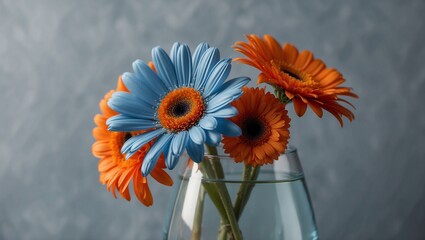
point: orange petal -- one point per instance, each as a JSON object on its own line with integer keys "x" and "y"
{"x": 299, "y": 106}
{"x": 105, "y": 164}
{"x": 162, "y": 177}
{"x": 120, "y": 85}
{"x": 274, "y": 46}
{"x": 152, "y": 66}
{"x": 100, "y": 133}
{"x": 304, "y": 59}
{"x": 101, "y": 148}
{"x": 315, "y": 67}
{"x": 125, "y": 194}
{"x": 316, "y": 108}
{"x": 100, "y": 120}
{"x": 290, "y": 53}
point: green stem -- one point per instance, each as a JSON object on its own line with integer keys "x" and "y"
{"x": 211, "y": 190}
{"x": 222, "y": 191}
{"x": 218, "y": 168}
{"x": 227, "y": 203}
{"x": 199, "y": 212}
{"x": 245, "y": 189}
{"x": 242, "y": 191}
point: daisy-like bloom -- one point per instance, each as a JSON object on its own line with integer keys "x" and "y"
{"x": 265, "y": 128}
{"x": 116, "y": 172}
{"x": 297, "y": 76}
{"x": 182, "y": 105}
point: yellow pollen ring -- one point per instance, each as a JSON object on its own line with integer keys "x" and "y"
{"x": 181, "y": 109}
{"x": 296, "y": 74}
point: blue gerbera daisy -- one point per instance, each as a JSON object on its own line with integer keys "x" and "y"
{"x": 182, "y": 105}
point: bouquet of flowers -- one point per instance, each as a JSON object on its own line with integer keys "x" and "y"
{"x": 182, "y": 102}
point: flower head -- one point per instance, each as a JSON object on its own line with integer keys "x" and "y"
{"x": 265, "y": 128}
{"x": 115, "y": 171}
{"x": 181, "y": 105}
{"x": 297, "y": 76}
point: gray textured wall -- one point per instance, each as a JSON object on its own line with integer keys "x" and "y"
{"x": 58, "y": 58}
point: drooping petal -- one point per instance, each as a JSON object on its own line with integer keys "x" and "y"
{"x": 177, "y": 146}
{"x": 179, "y": 142}
{"x": 208, "y": 123}
{"x": 195, "y": 151}
{"x": 135, "y": 143}
{"x": 197, "y": 134}
{"x": 299, "y": 106}
{"x": 213, "y": 138}
{"x": 152, "y": 156}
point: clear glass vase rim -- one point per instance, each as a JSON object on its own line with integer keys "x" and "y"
{"x": 289, "y": 151}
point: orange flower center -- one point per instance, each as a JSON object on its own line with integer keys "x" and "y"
{"x": 255, "y": 131}
{"x": 181, "y": 109}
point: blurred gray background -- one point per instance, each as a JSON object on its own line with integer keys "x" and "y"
{"x": 58, "y": 59}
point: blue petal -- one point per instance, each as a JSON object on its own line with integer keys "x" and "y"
{"x": 155, "y": 151}
{"x": 173, "y": 52}
{"x": 149, "y": 78}
{"x": 127, "y": 104}
{"x": 171, "y": 160}
{"x": 128, "y": 124}
{"x": 208, "y": 60}
{"x": 197, "y": 135}
{"x": 138, "y": 88}
{"x": 230, "y": 91}
{"x": 199, "y": 51}
{"x": 222, "y": 99}
{"x": 164, "y": 67}
{"x": 218, "y": 76}
{"x": 179, "y": 142}
{"x": 213, "y": 138}
{"x": 236, "y": 83}
{"x": 208, "y": 123}
{"x": 127, "y": 144}
{"x": 195, "y": 151}
{"x": 133, "y": 144}
{"x": 177, "y": 146}
{"x": 228, "y": 128}
{"x": 184, "y": 66}
{"x": 224, "y": 112}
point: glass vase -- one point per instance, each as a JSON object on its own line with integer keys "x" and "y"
{"x": 274, "y": 204}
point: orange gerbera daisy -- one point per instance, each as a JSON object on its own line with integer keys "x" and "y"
{"x": 297, "y": 76}
{"x": 265, "y": 128}
{"x": 115, "y": 171}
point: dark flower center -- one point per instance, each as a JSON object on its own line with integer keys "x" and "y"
{"x": 253, "y": 129}
{"x": 127, "y": 136}
{"x": 291, "y": 74}
{"x": 180, "y": 108}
